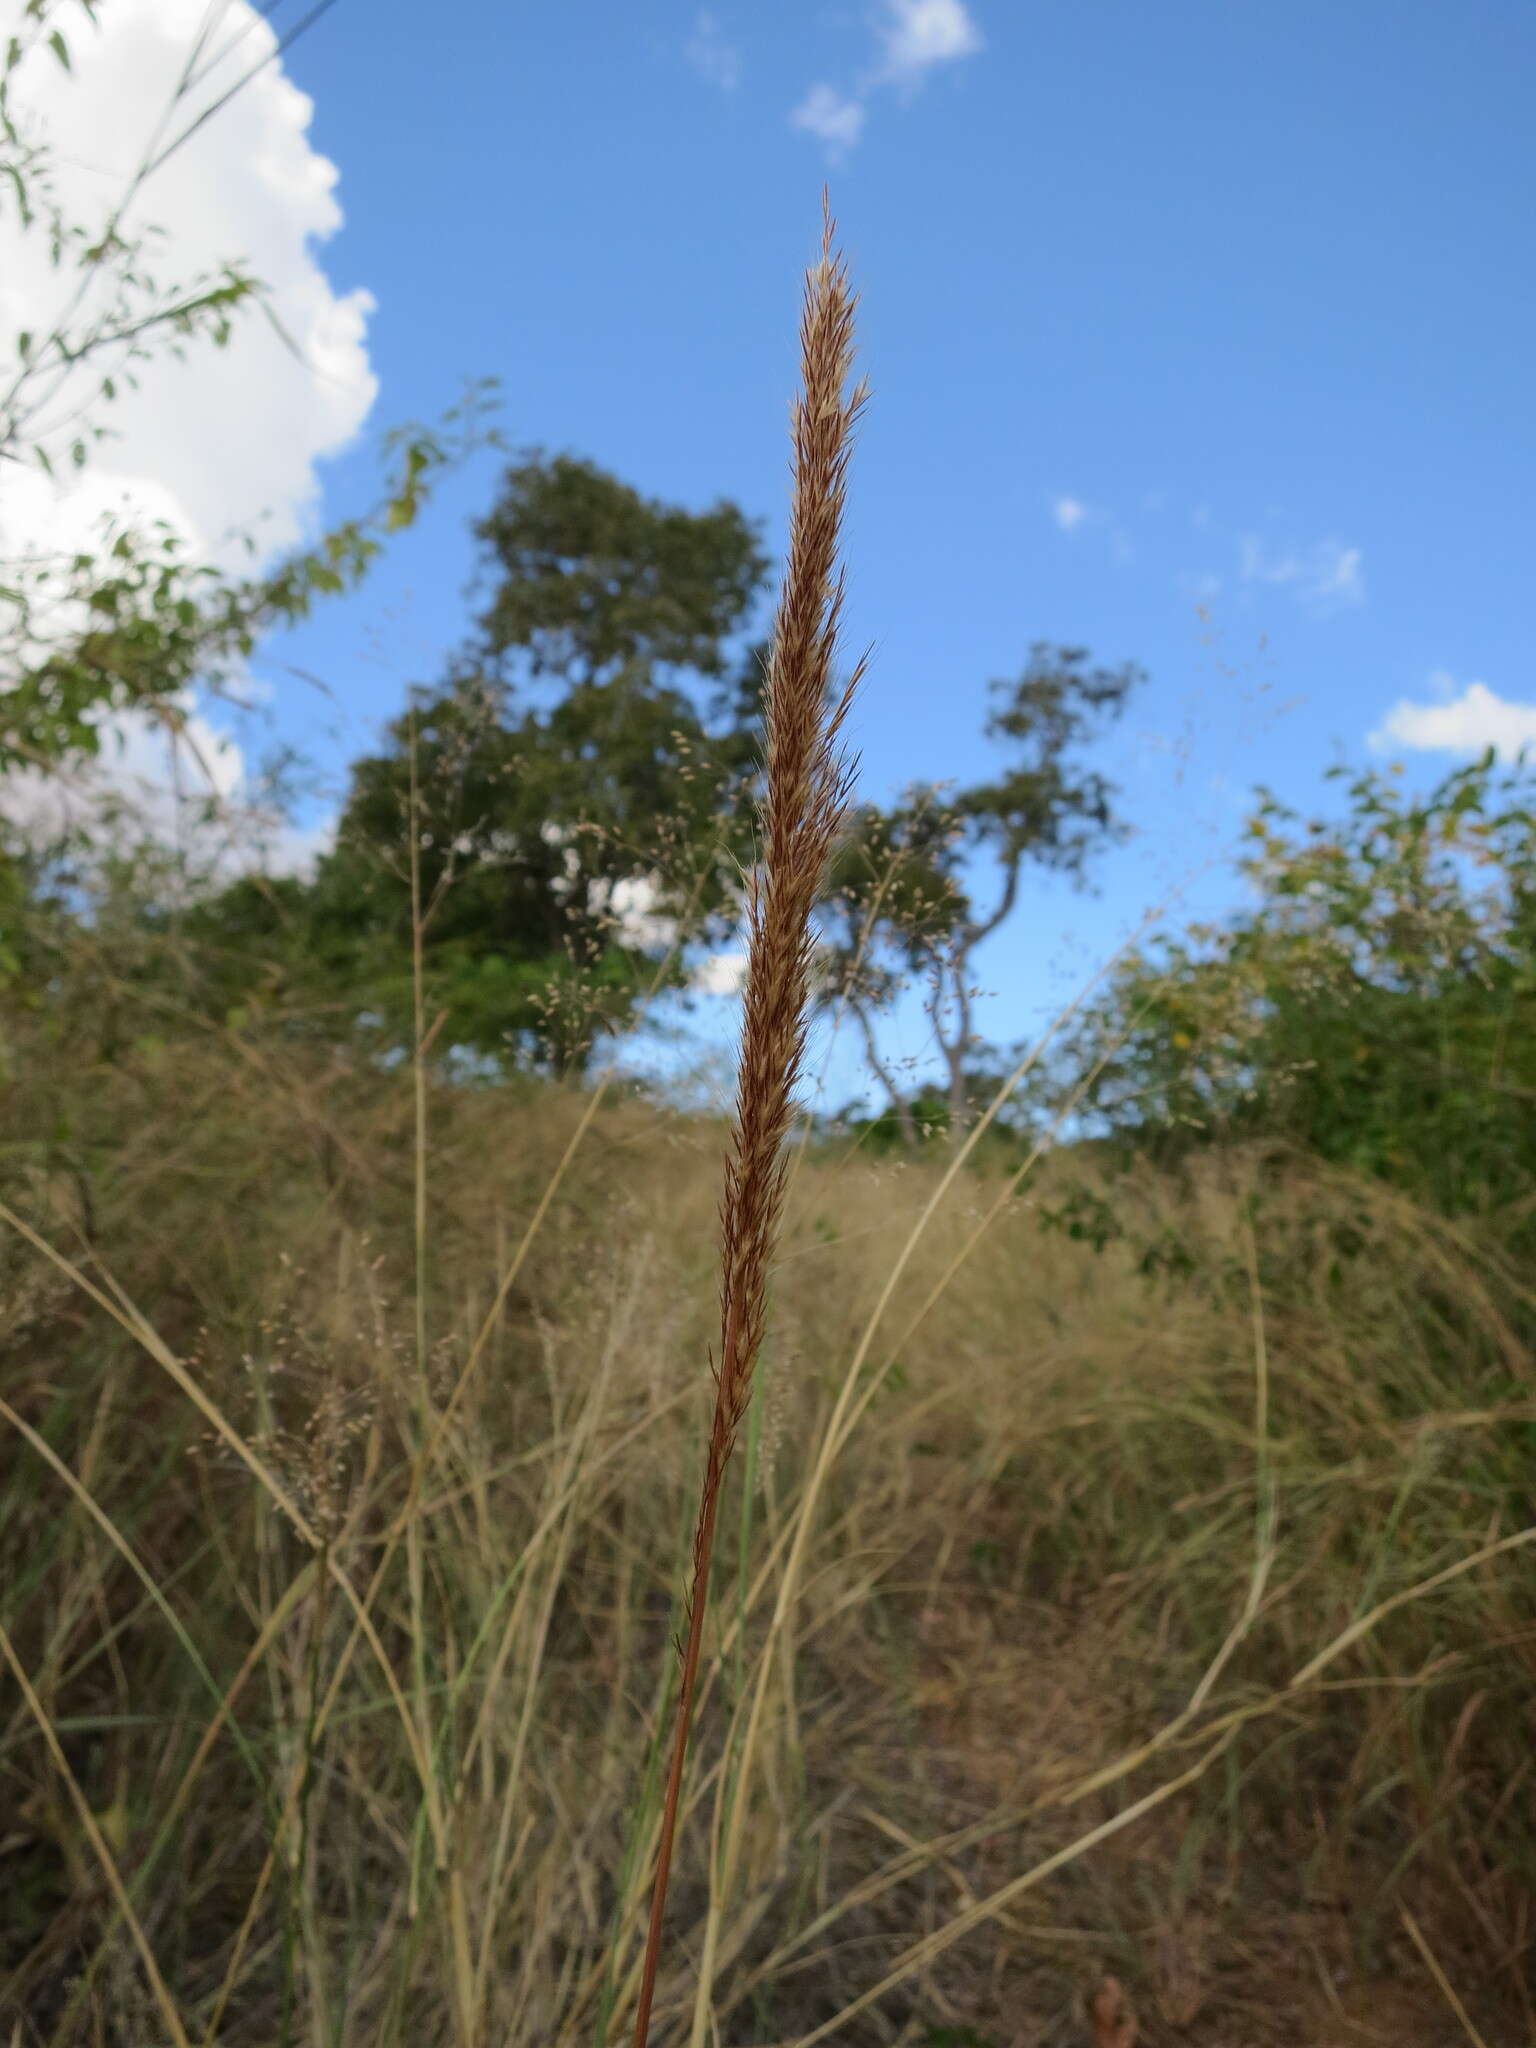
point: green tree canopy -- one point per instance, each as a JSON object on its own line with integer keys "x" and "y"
{"x": 1378, "y": 1007}
{"x": 591, "y": 581}
{"x": 580, "y": 785}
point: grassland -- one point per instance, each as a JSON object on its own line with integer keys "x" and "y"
{"x": 1160, "y": 1609}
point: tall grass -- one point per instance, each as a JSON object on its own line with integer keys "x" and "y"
{"x": 1017, "y": 1578}
{"x": 1154, "y": 1610}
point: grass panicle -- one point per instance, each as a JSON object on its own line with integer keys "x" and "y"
{"x": 808, "y": 784}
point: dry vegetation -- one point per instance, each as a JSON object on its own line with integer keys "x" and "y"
{"x": 1066, "y": 1620}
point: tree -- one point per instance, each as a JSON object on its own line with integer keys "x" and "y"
{"x": 900, "y": 903}
{"x": 1376, "y": 1009}
{"x": 579, "y": 797}
{"x": 593, "y": 582}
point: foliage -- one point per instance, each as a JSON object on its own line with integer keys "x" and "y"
{"x": 577, "y": 804}
{"x": 154, "y": 625}
{"x": 594, "y": 582}
{"x": 1376, "y": 1008}
{"x": 927, "y": 1112}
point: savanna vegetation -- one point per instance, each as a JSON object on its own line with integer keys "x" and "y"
{"x": 1120, "y": 1624}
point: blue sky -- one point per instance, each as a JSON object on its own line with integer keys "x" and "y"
{"x": 1199, "y": 335}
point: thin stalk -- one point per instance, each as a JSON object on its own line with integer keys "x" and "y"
{"x": 419, "y": 1036}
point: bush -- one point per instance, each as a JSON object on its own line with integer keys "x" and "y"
{"x": 1376, "y": 1010}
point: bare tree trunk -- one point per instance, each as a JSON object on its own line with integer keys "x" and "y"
{"x": 953, "y": 1043}
{"x": 905, "y": 1121}
{"x": 956, "y": 1052}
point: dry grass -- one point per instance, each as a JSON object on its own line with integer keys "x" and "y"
{"x": 1012, "y": 1581}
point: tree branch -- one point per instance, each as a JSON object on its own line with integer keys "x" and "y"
{"x": 899, "y": 1104}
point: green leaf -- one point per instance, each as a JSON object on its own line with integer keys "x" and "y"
{"x": 21, "y": 193}
{"x": 60, "y": 48}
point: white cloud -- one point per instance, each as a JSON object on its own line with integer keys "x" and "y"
{"x": 716, "y": 61}
{"x": 913, "y": 36}
{"x": 831, "y": 117}
{"x": 1466, "y": 724}
{"x": 1257, "y": 565}
{"x": 228, "y": 434}
{"x": 190, "y": 790}
{"x": 722, "y": 974}
{"x": 1071, "y": 513}
{"x": 225, "y": 439}
{"x": 289, "y": 849}
{"x": 1339, "y": 578}
{"x": 1324, "y": 577}
{"x": 918, "y": 34}
{"x": 633, "y": 904}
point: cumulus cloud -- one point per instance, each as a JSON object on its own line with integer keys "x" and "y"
{"x": 1070, "y": 514}
{"x": 912, "y": 36}
{"x": 634, "y": 903}
{"x": 180, "y": 782}
{"x": 1465, "y": 722}
{"x": 226, "y": 440}
{"x": 831, "y": 117}
{"x": 232, "y": 434}
{"x": 1338, "y": 578}
{"x": 722, "y": 974}
{"x": 1325, "y": 577}
{"x": 917, "y": 34}
{"x": 717, "y": 61}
